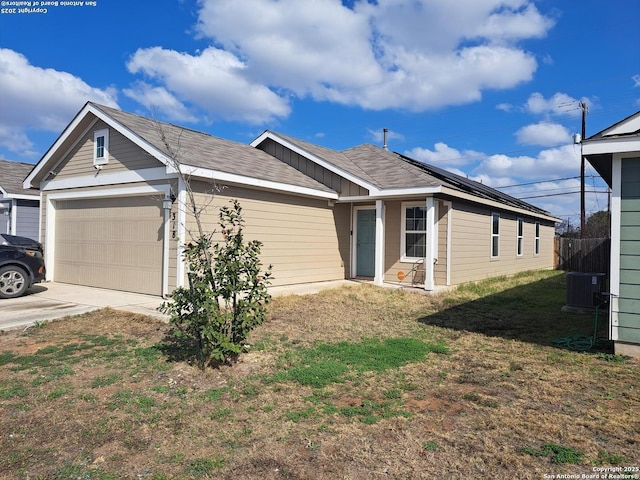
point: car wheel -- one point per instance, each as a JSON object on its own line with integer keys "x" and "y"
{"x": 13, "y": 282}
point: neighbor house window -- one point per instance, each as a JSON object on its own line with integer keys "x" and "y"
{"x": 414, "y": 231}
{"x": 520, "y": 239}
{"x": 495, "y": 234}
{"x": 101, "y": 147}
{"x": 536, "y": 245}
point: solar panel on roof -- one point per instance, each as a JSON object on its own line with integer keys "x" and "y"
{"x": 471, "y": 186}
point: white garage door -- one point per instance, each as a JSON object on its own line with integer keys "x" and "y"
{"x": 113, "y": 243}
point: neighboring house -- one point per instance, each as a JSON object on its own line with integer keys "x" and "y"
{"x": 615, "y": 154}
{"x": 19, "y": 208}
{"x": 114, "y": 209}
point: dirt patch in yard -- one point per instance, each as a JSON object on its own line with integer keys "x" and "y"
{"x": 100, "y": 395}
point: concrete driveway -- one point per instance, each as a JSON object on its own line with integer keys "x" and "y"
{"x": 49, "y": 300}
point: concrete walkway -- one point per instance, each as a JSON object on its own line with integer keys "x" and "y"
{"x": 50, "y": 300}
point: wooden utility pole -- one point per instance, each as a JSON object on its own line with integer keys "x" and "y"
{"x": 583, "y": 221}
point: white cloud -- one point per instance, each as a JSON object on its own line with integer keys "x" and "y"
{"x": 511, "y": 24}
{"x": 214, "y": 80}
{"x": 49, "y": 106}
{"x": 445, "y": 156}
{"x": 550, "y": 163}
{"x": 505, "y": 107}
{"x": 544, "y": 133}
{"x": 525, "y": 177}
{"x": 396, "y": 54}
{"x": 636, "y": 80}
{"x": 160, "y": 99}
{"x": 532, "y": 175}
{"x": 560, "y": 104}
{"x": 15, "y": 141}
{"x": 494, "y": 182}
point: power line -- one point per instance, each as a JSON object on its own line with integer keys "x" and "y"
{"x": 564, "y": 193}
{"x": 538, "y": 182}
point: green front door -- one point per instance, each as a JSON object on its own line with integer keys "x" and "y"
{"x": 365, "y": 243}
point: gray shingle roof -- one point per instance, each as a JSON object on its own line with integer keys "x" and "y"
{"x": 372, "y": 164}
{"x": 387, "y": 170}
{"x": 202, "y": 150}
{"x": 12, "y": 174}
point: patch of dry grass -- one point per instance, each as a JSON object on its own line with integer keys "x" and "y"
{"x": 97, "y": 396}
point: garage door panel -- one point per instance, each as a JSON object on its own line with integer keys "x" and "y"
{"x": 110, "y": 243}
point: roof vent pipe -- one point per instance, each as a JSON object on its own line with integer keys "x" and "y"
{"x": 384, "y": 136}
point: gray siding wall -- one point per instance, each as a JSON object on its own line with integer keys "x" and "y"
{"x": 629, "y": 300}
{"x": 27, "y": 219}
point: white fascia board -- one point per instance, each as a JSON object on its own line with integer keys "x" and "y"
{"x": 255, "y": 182}
{"x": 90, "y": 109}
{"x": 18, "y": 196}
{"x": 390, "y": 194}
{"x": 101, "y": 179}
{"x": 112, "y": 192}
{"x": 320, "y": 161}
{"x": 611, "y": 145}
{"x": 403, "y": 192}
{"x": 3, "y": 191}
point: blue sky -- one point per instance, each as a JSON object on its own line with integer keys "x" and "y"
{"x": 486, "y": 88}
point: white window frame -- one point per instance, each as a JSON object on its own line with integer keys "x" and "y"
{"x": 104, "y": 159}
{"x": 536, "y": 242}
{"x": 495, "y": 235}
{"x": 403, "y": 230}
{"x": 519, "y": 237}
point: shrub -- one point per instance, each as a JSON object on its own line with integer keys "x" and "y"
{"x": 227, "y": 293}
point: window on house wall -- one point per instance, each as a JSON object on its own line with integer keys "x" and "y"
{"x": 495, "y": 235}
{"x": 414, "y": 231}
{"x": 101, "y": 147}
{"x": 520, "y": 239}
{"x": 536, "y": 244}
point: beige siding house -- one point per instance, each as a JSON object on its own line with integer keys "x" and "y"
{"x": 114, "y": 194}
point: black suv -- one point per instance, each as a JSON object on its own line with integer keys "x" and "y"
{"x": 21, "y": 265}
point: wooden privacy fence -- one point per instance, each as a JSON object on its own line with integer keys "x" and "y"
{"x": 589, "y": 255}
